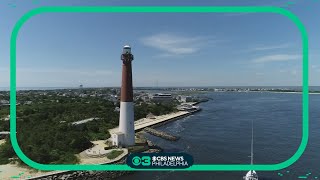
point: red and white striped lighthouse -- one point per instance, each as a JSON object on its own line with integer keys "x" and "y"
{"x": 126, "y": 121}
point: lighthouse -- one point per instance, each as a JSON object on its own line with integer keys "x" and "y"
{"x": 125, "y": 136}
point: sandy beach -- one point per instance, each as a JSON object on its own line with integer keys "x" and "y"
{"x": 13, "y": 171}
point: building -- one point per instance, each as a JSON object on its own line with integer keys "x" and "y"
{"x": 117, "y": 109}
{"x": 160, "y": 97}
{"x": 4, "y": 102}
{"x": 4, "y": 134}
{"x": 126, "y": 136}
{"x": 118, "y": 138}
{"x": 6, "y": 118}
{"x": 150, "y": 116}
{"x": 185, "y": 99}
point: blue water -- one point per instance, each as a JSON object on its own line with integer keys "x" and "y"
{"x": 221, "y": 134}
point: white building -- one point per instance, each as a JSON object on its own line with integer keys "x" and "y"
{"x": 4, "y": 102}
{"x": 160, "y": 97}
{"x": 118, "y": 138}
{"x": 185, "y": 99}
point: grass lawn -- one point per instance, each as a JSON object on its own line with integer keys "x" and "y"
{"x": 113, "y": 154}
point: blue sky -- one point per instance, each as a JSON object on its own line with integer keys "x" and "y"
{"x": 176, "y": 49}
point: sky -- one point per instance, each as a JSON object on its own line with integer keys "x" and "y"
{"x": 170, "y": 49}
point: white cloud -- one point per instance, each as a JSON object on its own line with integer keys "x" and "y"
{"x": 173, "y": 45}
{"x": 271, "y": 47}
{"x": 258, "y": 48}
{"x": 276, "y": 58}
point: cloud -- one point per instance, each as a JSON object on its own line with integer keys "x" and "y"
{"x": 293, "y": 72}
{"x": 276, "y": 58}
{"x": 258, "y": 48}
{"x": 271, "y": 47}
{"x": 175, "y": 45}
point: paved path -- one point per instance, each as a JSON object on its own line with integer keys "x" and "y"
{"x": 146, "y": 122}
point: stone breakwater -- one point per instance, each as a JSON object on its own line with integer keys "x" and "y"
{"x": 161, "y": 134}
{"x": 85, "y": 175}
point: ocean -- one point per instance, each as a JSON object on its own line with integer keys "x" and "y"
{"x": 221, "y": 134}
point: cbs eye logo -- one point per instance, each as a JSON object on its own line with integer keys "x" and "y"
{"x": 144, "y": 161}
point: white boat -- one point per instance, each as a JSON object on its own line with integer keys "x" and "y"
{"x": 252, "y": 174}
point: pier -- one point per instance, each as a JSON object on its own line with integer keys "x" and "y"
{"x": 161, "y": 134}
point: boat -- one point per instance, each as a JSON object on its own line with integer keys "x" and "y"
{"x": 252, "y": 174}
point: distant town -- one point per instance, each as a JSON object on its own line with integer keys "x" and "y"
{"x": 145, "y": 94}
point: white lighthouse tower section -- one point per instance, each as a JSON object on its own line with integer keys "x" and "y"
{"x": 126, "y": 124}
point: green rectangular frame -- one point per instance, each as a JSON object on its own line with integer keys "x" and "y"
{"x": 162, "y": 9}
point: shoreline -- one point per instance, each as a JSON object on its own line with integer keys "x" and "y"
{"x": 14, "y": 171}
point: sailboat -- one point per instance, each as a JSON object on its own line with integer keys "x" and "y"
{"x": 251, "y": 175}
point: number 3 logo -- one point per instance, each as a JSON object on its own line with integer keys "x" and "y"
{"x": 146, "y": 161}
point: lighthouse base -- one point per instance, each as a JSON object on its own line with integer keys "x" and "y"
{"x": 126, "y": 135}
